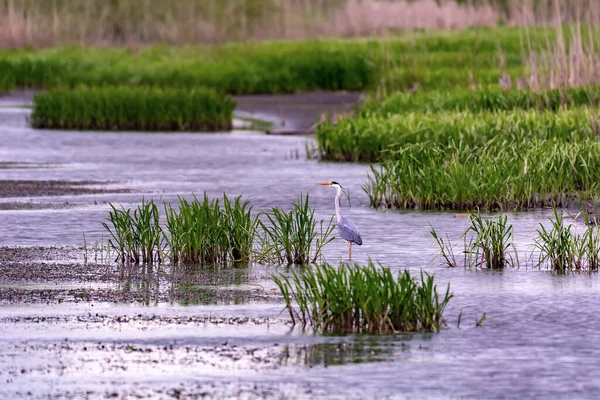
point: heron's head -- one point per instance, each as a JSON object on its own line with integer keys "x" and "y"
{"x": 332, "y": 184}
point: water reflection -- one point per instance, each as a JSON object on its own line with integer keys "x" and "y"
{"x": 354, "y": 351}
{"x": 185, "y": 285}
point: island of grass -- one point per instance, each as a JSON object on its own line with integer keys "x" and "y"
{"x": 133, "y": 109}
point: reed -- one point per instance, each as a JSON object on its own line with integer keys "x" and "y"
{"x": 491, "y": 99}
{"x": 491, "y": 242}
{"x": 136, "y": 237}
{"x": 122, "y": 108}
{"x": 564, "y": 250}
{"x": 289, "y": 236}
{"x": 362, "y": 299}
{"x": 374, "y": 136}
{"x": 202, "y": 232}
{"x": 507, "y": 176}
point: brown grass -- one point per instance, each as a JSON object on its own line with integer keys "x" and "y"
{"x": 42, "y": 23}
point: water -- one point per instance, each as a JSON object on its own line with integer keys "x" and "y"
{"x": 539, "y": 338}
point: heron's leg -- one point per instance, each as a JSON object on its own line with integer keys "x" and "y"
{"x": 349, "y": 249}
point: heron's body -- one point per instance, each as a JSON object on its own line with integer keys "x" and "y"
{"x": 346, "y": 228}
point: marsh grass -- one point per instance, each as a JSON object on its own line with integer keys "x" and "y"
{"x": 491, "y": 242}
{"x": 502, "y": 176}
{"x": 362, "y": 299}
{"x": 140, "y": 108}
{"x": 564, "y": 250}
{"x": 486, "y": 244}
{"x": 289, "y": 236}
{"x": 374, "y": 136}
{"x": 135, "y": 236}
{"x": 202, "y": 232}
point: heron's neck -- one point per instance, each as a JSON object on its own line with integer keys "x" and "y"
{"x": 338, "y": 209}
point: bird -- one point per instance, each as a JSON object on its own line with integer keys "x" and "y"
{"x": 346, "y": 228}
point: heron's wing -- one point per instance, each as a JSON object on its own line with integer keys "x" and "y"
{"x": 348, "y": 231}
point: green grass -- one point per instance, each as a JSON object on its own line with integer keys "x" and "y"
{"x": 493, "y": 99}
{"x": 429, "y": 60}
{"x": 374, "y": 136}
{"x": 141, "y": 108}
{"x": 362, "y": 299}
{"x": 135, "y": 236}
{"x": 204, "y": 232}
{"x": 289, "y": 236}
{"x": 506, "y": 176}
{"x": 563, "y": 250}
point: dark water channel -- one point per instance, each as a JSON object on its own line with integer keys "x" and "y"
{"x": 539, "y": 339}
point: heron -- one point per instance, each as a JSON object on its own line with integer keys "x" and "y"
{"x": 346, "y": 228}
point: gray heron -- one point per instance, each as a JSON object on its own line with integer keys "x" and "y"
{"x": 346, "y": 228}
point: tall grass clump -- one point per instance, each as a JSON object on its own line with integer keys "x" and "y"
{"x": 202, "y": 232}
{"x": 289, "y": 236}
{"x": 564, "y": 250}
{"x": 140, "y": 108}
{"x": 373, "y": 136}
{"x": 136, "y": 237}
{"x": 491, "y": 241}
{"x": 505, "y": 176}
{"x": 362, "y": 299}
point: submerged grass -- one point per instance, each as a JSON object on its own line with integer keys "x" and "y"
{"x": 289, "y": 236}
{"x": 564, "y": 250}
{"x": 136, "y": 237}
{"x": 362, "y": 299}
{"x": 141, "y": 108}
{"x": 486, "y": 244}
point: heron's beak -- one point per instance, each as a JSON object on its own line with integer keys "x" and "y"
{"x": 324, "y": 183}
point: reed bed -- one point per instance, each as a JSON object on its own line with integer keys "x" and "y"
{"x": 289, "y": 236}
{"x": 507, "y": 176}
{"x": 427, "y": 60}
{"x": 362, "y": 299}
{"x": 492, "y": 99}
{"x": 141, "y": 108}
{"x": 374, "y": 136}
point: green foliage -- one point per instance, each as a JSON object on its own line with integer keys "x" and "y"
{"x": 507, "y": 176}
{"x": 137, "y": 237}
{"x": 564, "y": 250}
{"x": 374, "y": 136}
{"x": 362, "y": 299}
{"x": 493, "y": 238}
{"x": 202, "y": 232}
{"x": 288, "y": 237}
{"x": 142, "y": 108}
{"x": 491, "y": 99}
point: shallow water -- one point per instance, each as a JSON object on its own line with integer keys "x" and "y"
{"x": 539, "y": 339}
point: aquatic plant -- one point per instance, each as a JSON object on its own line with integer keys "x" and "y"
{"x": 362, "y": 299}
{"x": 489, "y": 99}
{"x": 141, "y": 108}
{"x": 503, "y": 176}
{"x": 201, "y": 232}
{"x": 289, "y": 236}
{"x": 563, "y": 250}
{"x": 136, "y": 237}
{"x": 373, "y": 136}
{"x": 491, "y": 241}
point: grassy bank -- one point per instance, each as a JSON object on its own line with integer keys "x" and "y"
{"x": 428, "y": 60}
{"x": 121, "y": 108}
